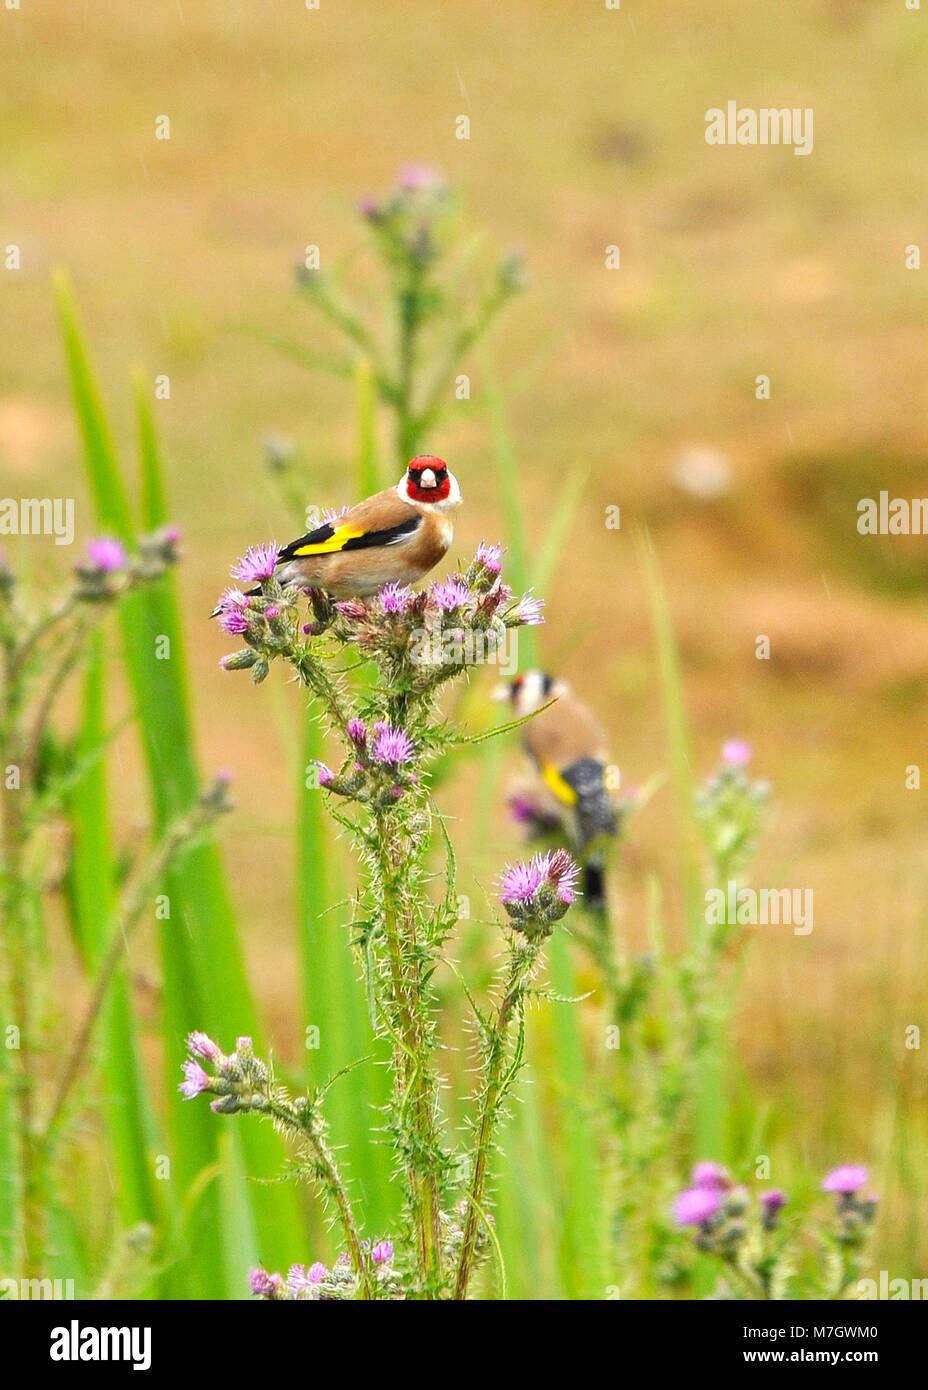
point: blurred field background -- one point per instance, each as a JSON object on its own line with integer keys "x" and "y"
{"x": 587, "y": 130}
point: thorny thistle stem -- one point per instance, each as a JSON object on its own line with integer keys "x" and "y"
{"x": 417, "y": 1081}
{"x": 522, "y": 963}
{"x": 305, "y": 1120}
{"x": 535, "y": 895}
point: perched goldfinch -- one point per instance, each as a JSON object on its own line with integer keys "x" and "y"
{"x": 396, "y": 536}
{"x": 567, "y": 746}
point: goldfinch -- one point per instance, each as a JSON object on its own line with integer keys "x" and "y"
{"x": 396, "y": 536}
{"x": 568, "y": 749}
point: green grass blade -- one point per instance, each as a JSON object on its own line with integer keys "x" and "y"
{"x": 110, "y": 499}
{"x": 204, "y": 980}
{"x": 677, "y": 734}
{"x": 129, "y": 1119}
{"x": 154, "y": 504}
{"x": 527, "y": 1199}
{"x": 711, "y": 1080}
{"x": 576, "y": 1155}
{"x": 583, "y": 1233}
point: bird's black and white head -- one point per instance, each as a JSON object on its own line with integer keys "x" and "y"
{"x": 429, "y": 482}
{"x": 530, "y": 691}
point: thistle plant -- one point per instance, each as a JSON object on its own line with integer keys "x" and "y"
{"x": 761, "y": 1255}
{"x": 40, "y": 648}
{"x": 390, "y": 735}
{"x": 664, "y": 1014}
{"x": 730, "y": 809}
{"x": 437, "y": 310}
{"x": 675, "y": 1029}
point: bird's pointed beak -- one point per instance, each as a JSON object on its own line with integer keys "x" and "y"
{"x": 428, "y": 478}
{"x": 501, "y": 692}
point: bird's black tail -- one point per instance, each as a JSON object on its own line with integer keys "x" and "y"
{"x": 594, "y": 886}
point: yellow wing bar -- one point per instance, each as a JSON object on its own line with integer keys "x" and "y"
{"x": 556, "y": 783}
{"x": 337, "y": 541}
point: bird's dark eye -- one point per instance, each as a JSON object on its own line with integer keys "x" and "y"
{"x": 441, "y": 475}
{"x": 415, "y": 476}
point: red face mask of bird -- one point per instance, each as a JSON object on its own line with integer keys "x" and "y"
{"x": 427, "y": 479}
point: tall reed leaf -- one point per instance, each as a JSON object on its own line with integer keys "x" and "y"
{"x": 581, "y": 1207}
{"x": 711, "y": 1087}
{"x": 129, "y": 1120}
{"x": 204, "y": 983}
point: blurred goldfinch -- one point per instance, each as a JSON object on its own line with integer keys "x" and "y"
{"x": 396, "y": 536}
{"x": 567, "y": 746}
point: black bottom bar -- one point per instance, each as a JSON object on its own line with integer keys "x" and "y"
{"x": 167, "y": 1338}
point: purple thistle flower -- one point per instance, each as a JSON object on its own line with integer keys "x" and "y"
{"x": 271, "y": 612}
{"x": 449, "y": 595}
{"x": 232, "y": 598}
{"x": 201, "y": 1045}
{"x": 527, "y": 612}
{"x": 331, "y": 514}
{"x": 712, "y": 1176}
{"x": 772, "y": 1202}
{"x": 297, "y": 1279}
{"x": 491, "y": 557}
{"x": 258, "y": 563}
{"x": 352, "y": 608}
{"x": 233, "y": 621}
{"x": 325, "y": 774}
{"x": 520, "y": 882}
{"x": 264, "y": 1285}
{"x": 357, "y": 731}
{"x": 696, "y": 1206}
{"x": 107, "y": 554}
{"x": 316, "y": 1272}
{"x": 195, "y": 1080}
{"x": 562, "y": 873}
{"x": 846, "y": 1180}
{"x": 736, "y": 752}
{"x": 395, "y": 598}
{"x": 382, "y": 1252}
{"x": 392, "y": 746}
